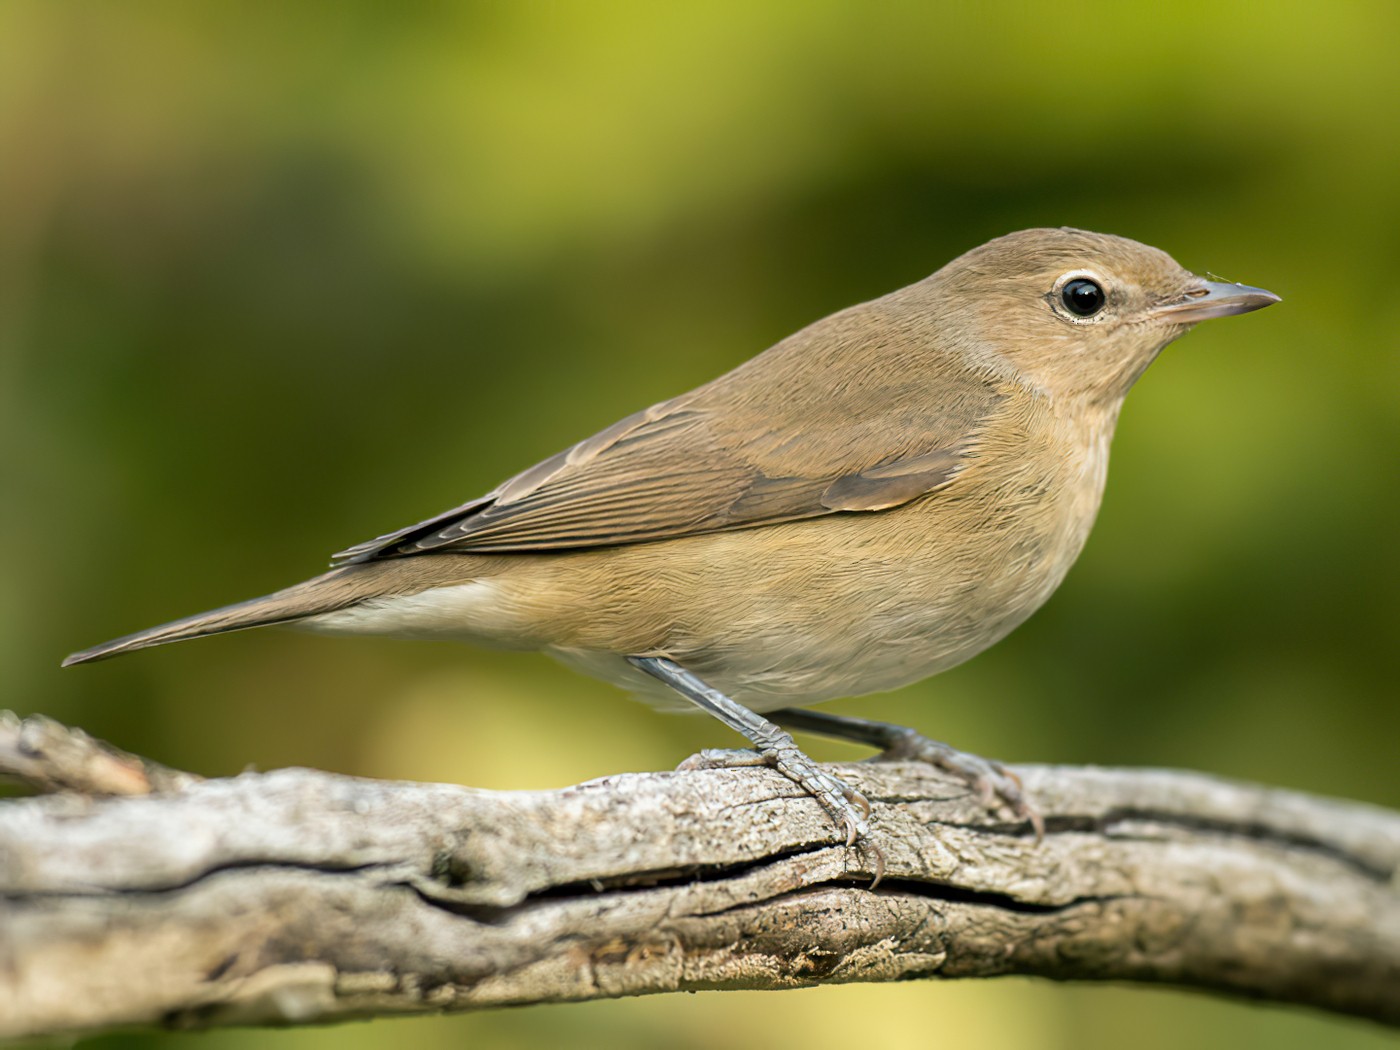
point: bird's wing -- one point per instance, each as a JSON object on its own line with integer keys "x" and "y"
{"x": 670, "y": 472}
{"x": 752, "y": 448}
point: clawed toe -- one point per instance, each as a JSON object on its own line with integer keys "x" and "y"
{"x": 848, "y": 808}
{"x": 998, "y": 788}
{"x": 722, "y": 758}
{"x": 852, "y": 795}
{"x": 1001, "y": 789}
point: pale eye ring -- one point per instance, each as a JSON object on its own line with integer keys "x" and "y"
{"x": 1083, "y": 297}
{"x": 1080, "y": 296}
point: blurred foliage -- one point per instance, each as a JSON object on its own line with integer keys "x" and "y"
{"x": 276, "y": 278}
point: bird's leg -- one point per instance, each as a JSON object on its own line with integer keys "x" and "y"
{"x": 996, "y": 784}
{"x": 774, "y": 747}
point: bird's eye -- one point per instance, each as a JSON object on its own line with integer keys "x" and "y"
{"x": 1082, "y": 297}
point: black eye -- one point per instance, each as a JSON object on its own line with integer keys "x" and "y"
{"x": 1082, "y": 297}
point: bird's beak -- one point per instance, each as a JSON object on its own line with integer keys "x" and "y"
{"x": 1215, "y": 299}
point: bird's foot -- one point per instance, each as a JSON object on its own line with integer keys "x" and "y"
{"x": 773, "y": 746}
{"x": 997, "y": 786}
{"x": 847, "y": 806}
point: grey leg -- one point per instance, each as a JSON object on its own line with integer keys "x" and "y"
{"x": 996, "y": 784}
{"x": 775, "y": 747}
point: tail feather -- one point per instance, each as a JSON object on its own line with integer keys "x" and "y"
{"x": 326, "y": 593}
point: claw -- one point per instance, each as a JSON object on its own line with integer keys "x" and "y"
{"x": 879, "y": 864}
{"x": 1037, "y": 823}
{"x": 988, "y": 792}
{"x": 861, "y": 801}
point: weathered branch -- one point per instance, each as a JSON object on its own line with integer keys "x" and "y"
{"x": 298, "y": 896}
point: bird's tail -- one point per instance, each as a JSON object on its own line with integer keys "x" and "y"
{"x": 333, "y": 590}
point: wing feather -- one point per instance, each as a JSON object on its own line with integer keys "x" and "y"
{"x": 751, "y": 448}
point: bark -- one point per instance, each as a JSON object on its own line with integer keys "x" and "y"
{"x": 298, "y": 896}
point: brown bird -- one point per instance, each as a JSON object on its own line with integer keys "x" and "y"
{"x": 874, "y": 499}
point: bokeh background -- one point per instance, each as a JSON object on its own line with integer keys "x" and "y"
{"x": 278, "y": 278}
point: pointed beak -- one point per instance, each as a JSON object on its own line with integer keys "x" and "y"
{"x": 1215, "y": 299}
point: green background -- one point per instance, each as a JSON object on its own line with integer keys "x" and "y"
{"x": 278, "y": 278}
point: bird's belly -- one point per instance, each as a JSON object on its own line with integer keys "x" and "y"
{"x": 817, "y": 610}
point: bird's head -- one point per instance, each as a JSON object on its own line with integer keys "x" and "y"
{"x": 1080, "y": 313}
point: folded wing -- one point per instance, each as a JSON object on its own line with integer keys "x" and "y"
{"x": 734, "y": 454}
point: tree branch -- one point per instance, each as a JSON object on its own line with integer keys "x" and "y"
{"x": 298, "y": 896}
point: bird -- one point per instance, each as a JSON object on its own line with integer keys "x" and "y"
{"x": 872, "y": 500}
